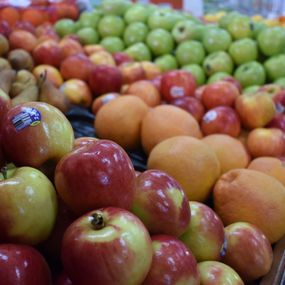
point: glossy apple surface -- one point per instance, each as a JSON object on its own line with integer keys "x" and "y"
{"x": 205, "y": 235}
{"x": 122, "y": 57}
{"x": 82, "y": 141}
{"x": 27, "y": 198}
{"x": 132, "y": 71}
{"x": 172, "y": 263}
{"x": 247, "y": 244}
{"x": 36, "y": 133}
{"x": 62, "y": 279}
{"x": 221, "y": 120}
{"x": 107, "y": 246}
{"x": 23, "y": 265}
{"x": 176, "y": 84}
{"x": 161, "y": 203}
{"x": 109, "y": 177}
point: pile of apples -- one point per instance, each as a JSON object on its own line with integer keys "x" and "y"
{"x": 250, "y": 51}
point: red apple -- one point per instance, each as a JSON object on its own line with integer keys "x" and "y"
{"x": 45, "y": 28}
{"x": 23, "y": 265}
{"x": 199, "y": 91}
{"x": 62, "y": 279}
{"x": 5, "y": 28}
{"x": 217, "y": 273}
{"x": 70, "y": 47}
{"x": 255, "y": 109}
{"x": 105, "y": 79}
{"x": 157, "y": 82}
{"x": 172, "y": 263}
{"x": 221, "y": 120}
{"x": 220, "y": 93}
{"x": 76, "y": 66}
{"x": 176, "y": 84}
{"x": 82, "y": 141}
{"x": 35, "y": 134}
{"x": 107, "y": 246}
{"x": 109, "y": 177}
{"x": 102, "y": 100}
{"x": 247, "y": 245}
{"x": 205, "y": 235}
{"x": 132, "y": 71}
{"x": 23, "y": 40}
{"x": 191, "y": 105}
{"x": 161, "y": 203}
{"x": 48, "y": 52}
{"x": 121, "y": 58}
{"x": 277, "y": 122}
{"x": 234, "y": 82}
{"x": 25, "y": 25}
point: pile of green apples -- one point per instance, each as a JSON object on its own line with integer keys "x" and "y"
{"x": 250, "y": 51}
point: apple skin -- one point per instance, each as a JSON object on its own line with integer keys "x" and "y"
{"x": 205, "y": 235}
{"x": 132, "y": 71}
{"x": 105, "y": 79}
{"x": 277, "y": 122}
{"x": 104, "y": 184}
{"x": 172, "y": 263}
{"x": 52, "y": 73}
{"x": 23, "y": 265}
{"x": 62, "y": 279}
{"x": 24, "y": 194}
{"x": 122, "y": 57}
{"x": 176, "y": 84}
{"x": 161, "y": 203}
{"x": 70, "y": 47}
{"x": 255, "y": 109}
{"x": 107, "y": 246}
{"x": 217, "y": 273}
{"x": 220, "y": 93}
{"x": 247, "y": 244}
{"x": 37, "y": 145}
{"x": 233, "y": 81}
{"x": 221, "y": 120}
{"x": 82, "y": 141}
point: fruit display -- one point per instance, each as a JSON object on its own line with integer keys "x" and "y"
{"x": 140, "y": 145}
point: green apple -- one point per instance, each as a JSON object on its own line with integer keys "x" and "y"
{"x": 88, "y": 36}
{"x": 28, "y": 205}
{"x": 250, "y": 73}
{"x": 251, "y": 89}
{"x": 240, "y": 27}
{"x": 217, "y": 76}
{"x": 257, "y": 28}
{"x": 190, "y": 52}
{"x": 115, "y": 7}
{"x": 218, "y": 61}
{"x": 271, "y": 41}
{"x": 135, "y": 32}
{"x": 162, "y": 19}
{"x": 64, "y": 27}
{"x": 243, "y": 50}
{"x": 89, "y": 19}
{"x": 275, "y": 67}
{"x": 280, "y": 81}
{"x": 197, "y": 71}
{"x": 113, "y": 44}
{"x": 160, "y": 42}
{"x": 139, "y": 52}
{"x": 226, "y": 19}
{"x": 166, "y": 62}
{"x": 111, "y": 26}
{"x": 136, "y": 13}
{"x": 187, "y": 30}
{"x": 216, "y": 39}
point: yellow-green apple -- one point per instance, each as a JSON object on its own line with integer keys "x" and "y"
{"x": 161, "y": 203}
{"x": 62, "y": 279}
{"x": 107, "y": 246}
{"x": 70, "y": 46}
{"x": 172, "y": 263}
{"x": 52, "y": 73}
{"x": 217, "y": 273}
{"x": 78, "y": 92}
{"x": 76, "y": 66}
{"x": 36, "y": 134}
{"x": 247, "y": 245}
{"x": 219, "y": 93}
{"x": 255, "y": 109}
{"x": 132, "y": 71}
{"x": 109, "y": 177}
{"x": 28, "y": 205}
{"x": 105, "y": 79}
{"x": 82, "y": 141}
{"x": 191, "y": 105}
{"x": 205, "y": 235}
{"x": 23, "y": 265}
{"x": 176, "y": 84}
{"x": 102, "y": 57}
{"x": 221, "y": 120}
{"x": 102, "y": 100}
{"x": 122, "y": 57}
{"x": 48, "y": 52}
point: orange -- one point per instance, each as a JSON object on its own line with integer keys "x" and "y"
{"x": 190, "y": 161}
{"x": 230, "y": 151}
{"x": 10, "y": 14}
{"x": 166, "y": 121}
{"x": 120, "y": 120}
{"x": 271, "y": 166}
{"x": 246, "y": 195}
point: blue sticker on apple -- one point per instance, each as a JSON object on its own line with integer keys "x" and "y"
{"x": 29, "y": 117}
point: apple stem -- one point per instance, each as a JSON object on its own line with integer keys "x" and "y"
{"x": 4, "y": 170}
{"x": 97, "y": 221}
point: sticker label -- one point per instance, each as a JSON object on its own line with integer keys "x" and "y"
{"x": 210, "y": 116}
{"x": 29, "y": 117}
{"x": 177, "y": 91}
